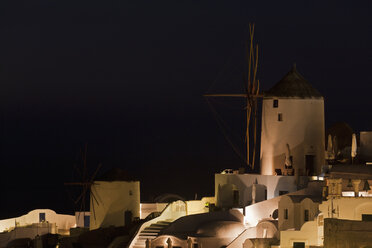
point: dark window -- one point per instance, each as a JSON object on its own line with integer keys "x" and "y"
{"x": 128, "y": 217}
{"x": 306, "y": 215}
{"x": 159, "y": 246}
{"x": 275, "y": 103}
{"x": 236, "y": 197}
{"x": 86, "y": 221}
{"x": 298, "y": 244}
{"x": 195, "y": 245}
{"x": 283, "y": 192}
{"x": 41, "y": 217}
{"x": 286, "y": 214}
{"x": 366, "y": 217}
{"x": 309, "y": 163}
{"x": 265, "y": 194}
{"x": 280, "y": 117}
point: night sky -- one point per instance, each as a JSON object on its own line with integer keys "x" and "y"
{"x": 128, "y": 78}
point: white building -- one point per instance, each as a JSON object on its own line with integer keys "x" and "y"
{"x": 36, "y": 222}
{"x": 293, "y": 114}
{"x": 61, "y": 222}
{"x": 241, "y": 190}
{"x": 295, "y": 210}
{"x": 346, "y": 207}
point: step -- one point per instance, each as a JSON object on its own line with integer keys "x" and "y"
{"x": 147, "y": 237}
{"x": 140, "y": 242}
{"x": 157, "y": 226}
{"x": 164, "y": 222}
{"x": 148, "y": 234}
{"x": 152, "y": 229}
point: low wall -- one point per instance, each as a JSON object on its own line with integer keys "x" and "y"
{"x": 347, "y": 233}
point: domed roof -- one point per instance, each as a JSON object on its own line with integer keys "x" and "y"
{"x": 293, "y": 85}
{"x": 220, "y": 229}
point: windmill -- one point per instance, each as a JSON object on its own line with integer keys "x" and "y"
{"x": 85, "y": 183}
{"x": 251, "y": 95}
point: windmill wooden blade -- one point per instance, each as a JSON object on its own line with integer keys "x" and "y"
{"x": 95, "y": 173}
{"x": 251, "y": 88}
{"x": 93, "y": 197}
{"x": 82, "y": 195}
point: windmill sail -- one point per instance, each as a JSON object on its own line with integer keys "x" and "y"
{"x": 251, "y": 95}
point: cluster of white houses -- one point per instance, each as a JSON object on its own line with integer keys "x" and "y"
{"x": 297, "y": 200}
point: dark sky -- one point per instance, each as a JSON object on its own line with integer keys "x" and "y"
{"x": 127, "y": 78}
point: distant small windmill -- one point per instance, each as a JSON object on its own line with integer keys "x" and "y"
{"x": 85, "y": 183}
{"x": 353, "y": 148}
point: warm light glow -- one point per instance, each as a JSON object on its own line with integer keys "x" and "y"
{"x": 352, "y": 194}
{"x": 250, "y": 218}
{"x": 316, "y": 178}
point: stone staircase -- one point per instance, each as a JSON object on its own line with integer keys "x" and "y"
{"x": 150, "y": 233}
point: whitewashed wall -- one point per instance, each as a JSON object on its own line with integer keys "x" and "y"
{"x": 302, "y": 128}
{"x": 62, "y": 221}
{"x": 113, "y": 199}
{"x": 243, "y": 183}
{"x": 348, "y": 208}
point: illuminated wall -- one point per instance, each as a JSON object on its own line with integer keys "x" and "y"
{"x": 62, "y": 221}
{"x": 148, "y": 208}
{"x": 112, "y": 200}
{"x": 267, "y": 187}
{"x": 298, "y": 122}
{"x": 348, "y": 208}
{"x": 311, "y": 234}
{"x": 294, "y": 217}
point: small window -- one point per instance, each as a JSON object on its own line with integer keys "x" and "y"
{"x": 286, "y": 214}
{"x": 366, "y": 217}
{"x": 265, "y": 194}
{"x": 298, "y": 244}
{"x": 195, "y": 245}
{"x": 280, "y": 117}
{"x": 283, "y": 192}
{"x": 275, "y": 103}
{"x": 306, "y": 215}
{"x": 130, "y": 192}
{"x": 236, "y": 197}
{"x": 41, "y": 217}
{"x": 86, "y": 221}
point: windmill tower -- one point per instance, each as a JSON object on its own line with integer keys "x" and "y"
{"x": 293, "y": 114}
{"x": 116, "y": 201}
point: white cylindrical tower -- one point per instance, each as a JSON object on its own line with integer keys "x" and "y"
{"x": 293, "y": 114}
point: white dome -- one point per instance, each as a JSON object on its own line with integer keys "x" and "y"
{"x": 221, "y": 229}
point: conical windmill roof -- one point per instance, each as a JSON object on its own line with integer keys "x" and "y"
{"x": 293, "y": 85}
